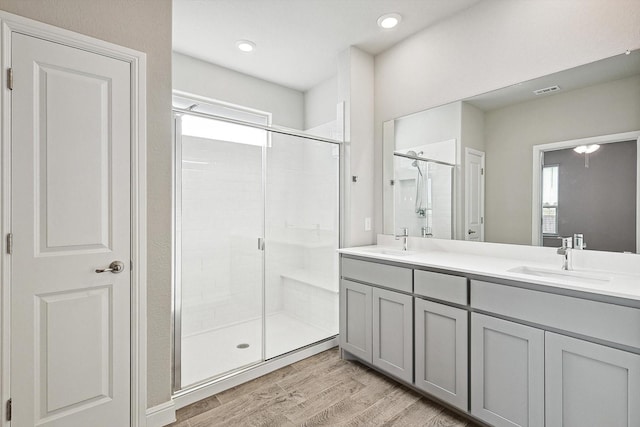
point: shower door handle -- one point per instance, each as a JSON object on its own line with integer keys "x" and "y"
{"x": 260, "y": 244}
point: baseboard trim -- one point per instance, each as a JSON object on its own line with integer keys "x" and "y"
{"x": 188, "y": 397}
{"x": 162, "y": 414}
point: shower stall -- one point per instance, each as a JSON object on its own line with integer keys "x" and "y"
{"x": 256, "y": 233}
{"x": 423, "y": 195}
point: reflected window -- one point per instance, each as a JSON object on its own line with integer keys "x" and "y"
{"x": 550, "y": 200}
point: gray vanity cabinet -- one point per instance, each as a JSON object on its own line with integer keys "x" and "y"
{"x": 376, "y": 321}
{"x": 589, "y": 384}
{"x": 507, "y": 372}
{"x": 356, "y": 301}
{"x": 393, "y": 333}
{"x": 441, "y": 352}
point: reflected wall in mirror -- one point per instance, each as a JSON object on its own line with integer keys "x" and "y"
{"x": 512, "y": 127}
{"x": 589, "y": 187}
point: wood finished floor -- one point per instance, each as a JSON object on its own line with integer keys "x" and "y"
{"x": 321, "y": 390}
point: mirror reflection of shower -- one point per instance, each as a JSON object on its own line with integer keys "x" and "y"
{"x": 420, "y": 187}
{"x": 423, "y": 193}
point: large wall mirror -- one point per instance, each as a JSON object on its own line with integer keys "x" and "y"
{"x": 526, "y": 164}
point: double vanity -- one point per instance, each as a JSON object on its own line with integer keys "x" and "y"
{"x": 499, "y": 332}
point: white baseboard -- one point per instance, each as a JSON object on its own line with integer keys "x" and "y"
{"x": 161, "y": 415}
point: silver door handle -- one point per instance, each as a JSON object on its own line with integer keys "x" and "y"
{"x": 115, "y": 267}
{"x": 471, "y": 231}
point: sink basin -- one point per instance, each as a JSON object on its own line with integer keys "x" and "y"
{"x": 572, "y": 276}
{"x": 390, "y": 251}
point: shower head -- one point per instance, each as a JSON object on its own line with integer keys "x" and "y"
{"x": 415, "y": 161}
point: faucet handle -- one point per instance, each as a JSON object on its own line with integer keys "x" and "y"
{"x": 567, "y": 242}
{"x": 405, "y": 233}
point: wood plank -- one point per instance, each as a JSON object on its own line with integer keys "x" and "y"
{"x": 416, "y": 414}
{"x": 324, "y": 399}
{"x": 248, "y": 387}
{"x": 330, "y": 356}
{"x": 196, "y": 408}
{"x": 384, "y": 409}
{"x": 258, "y": 399}
{"x": 448, "y": 419}
{"x": 324, "y": 390}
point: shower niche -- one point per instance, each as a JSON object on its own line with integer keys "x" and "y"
{"x": 256, "y": 233}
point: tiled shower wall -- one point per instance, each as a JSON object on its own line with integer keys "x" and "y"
{"x": 222, "y": 215}
{"x": 405, "y": 196}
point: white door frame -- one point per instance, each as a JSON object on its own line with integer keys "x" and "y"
{"x": 12, "y": 23}
{"x": 539, "y": 150}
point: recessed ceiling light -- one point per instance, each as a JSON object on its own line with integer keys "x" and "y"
{"x": 245, "y": 45}
{"x": 389, "y": 20}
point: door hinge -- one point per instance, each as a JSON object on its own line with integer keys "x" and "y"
{"x": 260, "y": 244}
{"x": 481, "y": 171}
{"x": 10, "y": 78}
{"x": 481, "y": 220}
{"x": 9, "y": 243}
{"x": 9, "y": 410}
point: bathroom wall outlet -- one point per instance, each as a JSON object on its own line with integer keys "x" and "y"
{"x": 367, "y": 224}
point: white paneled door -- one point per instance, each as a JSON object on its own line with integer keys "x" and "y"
{"x": 71, "y": 138}
{"x": 474, "y": 195}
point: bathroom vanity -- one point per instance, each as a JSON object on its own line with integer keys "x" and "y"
{"x": 499, "y": 332}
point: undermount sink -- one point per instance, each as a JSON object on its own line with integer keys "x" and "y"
{"x": 569, "y": 275}
{"x": 390, "y": 251}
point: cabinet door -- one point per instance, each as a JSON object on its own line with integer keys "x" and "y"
{"x": 588, "y": 384}
{"x": 393, "y": 333}
{"x": 441, "y": 356}
{"x": 507, "y": 372}
{"x": 355, "y": 319}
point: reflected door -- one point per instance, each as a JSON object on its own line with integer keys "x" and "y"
{"x": 70, "y": 341}
{"x": 219, "y": 198}
{"x": 301, "y": 234}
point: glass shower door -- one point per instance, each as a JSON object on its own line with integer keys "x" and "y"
{"x": 220, "y": 211}
{"x": 302, "y": 236}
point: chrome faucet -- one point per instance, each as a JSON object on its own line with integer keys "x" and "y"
{"x": 578, "y": 241}
{"x": 565, "y": 251}
{"x": 405, "y": 236}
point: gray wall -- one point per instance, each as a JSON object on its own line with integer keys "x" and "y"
{"x": 321, "y": 103}
{"x": 202, "y": 78}
{"x": 511, "y": 132}
{"x": 598, "y": 201}
{"x": 144, "y": 25}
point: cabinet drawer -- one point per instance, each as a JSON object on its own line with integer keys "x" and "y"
{"x": 595, "y": 319}
{"x": 441, "y": 286}
{"x": 389, "y": 276}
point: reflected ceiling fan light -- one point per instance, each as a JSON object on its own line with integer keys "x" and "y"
{"x": 389, "y": 20}
{"x": 588, "y": 149}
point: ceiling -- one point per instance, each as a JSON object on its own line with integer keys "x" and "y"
{"x": 297, "y": 41}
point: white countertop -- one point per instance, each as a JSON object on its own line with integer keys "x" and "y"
{"x": 602, "y": 282}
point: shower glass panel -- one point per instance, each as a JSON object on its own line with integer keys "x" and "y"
{"x": 219, "y": 219}
{"x": 423, "y": 197}
{"x": 301, "y": 277}
{"x": 256, "y": 231}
